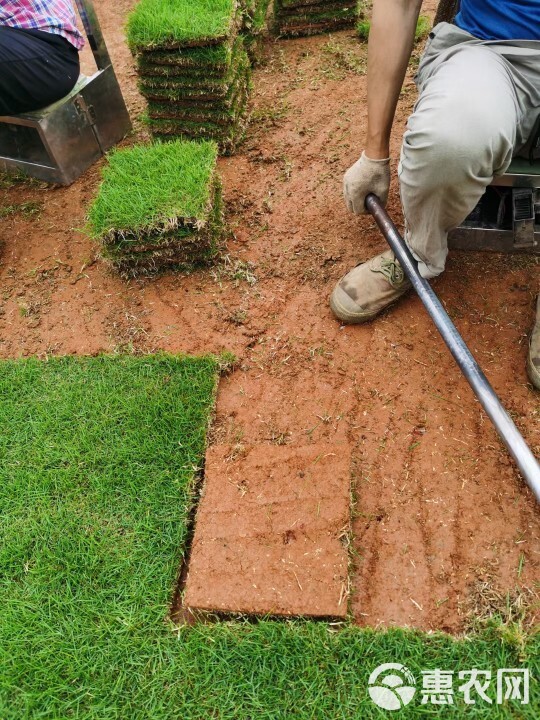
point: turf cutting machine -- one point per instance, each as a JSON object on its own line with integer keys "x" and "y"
{"x": 58, "y": 143}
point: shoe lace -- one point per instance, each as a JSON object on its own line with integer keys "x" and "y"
{"x": 392, "y": 271}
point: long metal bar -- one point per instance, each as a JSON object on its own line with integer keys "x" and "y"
{"x": 508, "y": 432}
{"x": 93, "y": 32}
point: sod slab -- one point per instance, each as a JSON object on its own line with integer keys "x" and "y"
{"x": 255, "y": 29}
{"x": 219, "y": 113}
{"x": 225, "y": 72}
{"x": 170, "y": 24}
{"x": 172, "y": 111}
{"x": 308, "y": 17}
{"x": 180, "y": 249}
{"x": 155, "y": 187}
{"x": 188, "y": 106}
{"x": 156, "y": 69}
{"x": 214, "y": 119}
{"x": 255, "y": 15}
{"x": 215, "y": 58}
{"x": 188, "y": 86}
{"x": 228, "y": 137}
{"x": 320, "y": 8}
{"x": 241, "y": 85}
{"x": 161, "y": 195}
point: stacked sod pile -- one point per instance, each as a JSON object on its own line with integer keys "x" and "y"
{"x": 193, "y": 66}
{"x": 308, "y": 17}
{"x": 159, "y": 206}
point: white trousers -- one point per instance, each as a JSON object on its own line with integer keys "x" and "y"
{"x": 477, "y": 106}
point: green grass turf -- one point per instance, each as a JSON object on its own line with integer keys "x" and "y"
{"x": 97, "y": 458}
{"x": 270, "y": 670}
{"x": 255, "y": 15}
{"x": 177, "y": 23}
{"x": 153, "y": 188}
{"x": 176, "y": 235}
{"x": 97, "y": 463}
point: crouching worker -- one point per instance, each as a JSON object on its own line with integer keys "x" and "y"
{"x": 479, "y": 100}
{"x": 39, "y": 53}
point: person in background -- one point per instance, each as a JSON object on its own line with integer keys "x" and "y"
{"x": 39, "y": 53}
{"x": 479, "y": 101}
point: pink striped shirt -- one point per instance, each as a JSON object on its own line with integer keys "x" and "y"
{"x": 54, "y": 16}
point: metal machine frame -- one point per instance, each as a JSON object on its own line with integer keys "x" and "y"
{"x": 58, "y": 143}
{"x": 507, "y": 218}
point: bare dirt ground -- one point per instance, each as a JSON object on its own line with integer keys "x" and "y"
{"x": 439, "y": 509}
{"x": 271, "y": 531}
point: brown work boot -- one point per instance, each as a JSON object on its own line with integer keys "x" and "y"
{"x": 533, "y": 360}
{"x": 368, "y": 288}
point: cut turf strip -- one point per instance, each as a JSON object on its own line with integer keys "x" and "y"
{"x": 271, "y": 532}
{"x": 159, "y": 205}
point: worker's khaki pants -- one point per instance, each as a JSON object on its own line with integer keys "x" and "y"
{"x": 477, "y": 106}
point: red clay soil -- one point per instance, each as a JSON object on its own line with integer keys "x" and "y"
{"x": 438, "y": 506}
{"x": 272, "y": 531}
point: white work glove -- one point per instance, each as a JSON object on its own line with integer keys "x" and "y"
{"x": 364, "y": 177}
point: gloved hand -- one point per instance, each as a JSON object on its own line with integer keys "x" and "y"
{"x": 364, "y": 177}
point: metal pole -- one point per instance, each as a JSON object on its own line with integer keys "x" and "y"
{"x": 508, "y": 432}
{"x": 93, "y": 33}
